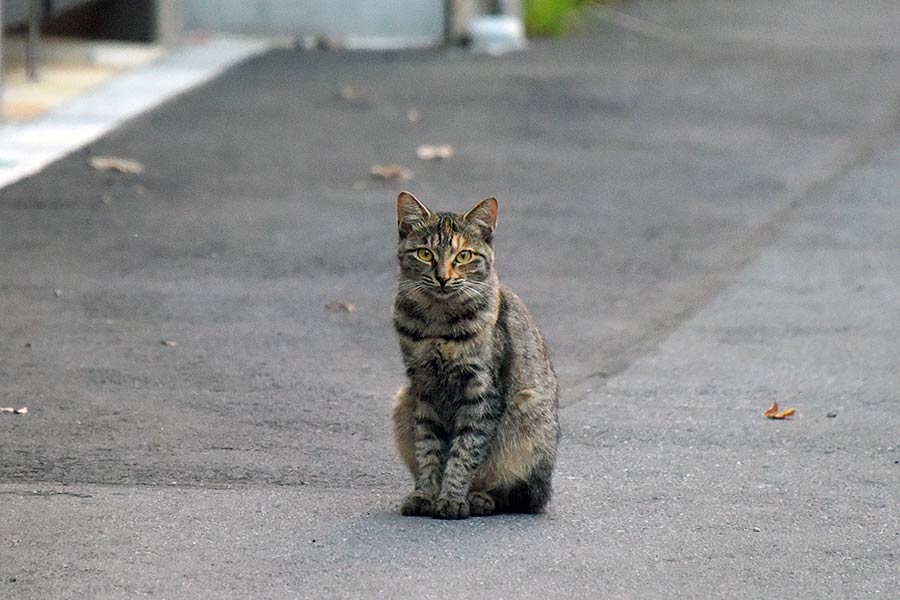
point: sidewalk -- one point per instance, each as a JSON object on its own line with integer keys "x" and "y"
{"x": 703, "y": 218}
{"x": 100, "y": 95}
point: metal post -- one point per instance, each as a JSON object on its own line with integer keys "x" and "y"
{"x": 457, "y": 14}
{"x": 32, "y": 46}
{"x": 2, "y": 115}
{"x": 169, "y": 22}
{"x": 512, "y": 8}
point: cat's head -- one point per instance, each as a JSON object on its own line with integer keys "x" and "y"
{"x": 446, "y": 255}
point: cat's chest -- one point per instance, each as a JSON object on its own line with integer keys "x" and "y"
{"x": 441, "y": 356}
{"x": 438, "y": 363}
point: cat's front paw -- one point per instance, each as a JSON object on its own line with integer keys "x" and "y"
{"x": 451, "y": 508}
{"x": 417, "y": 504}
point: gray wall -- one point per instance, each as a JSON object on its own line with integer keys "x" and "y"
{"x": 15, "y": 12}
{"x": 358, "y": 23}
{"x": 133, "y": 20}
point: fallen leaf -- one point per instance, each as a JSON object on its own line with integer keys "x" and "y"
{"x": 348, "y": 92}
{"x": 169, "y": 343}
{"x": 116, "y": 163}
{"x": 774, "y": 413}
{"x": 391, "y": 171}
{"x": 340, "y": 307}
{"x": 426, "y": 152}
{"x": 15, "y": 411}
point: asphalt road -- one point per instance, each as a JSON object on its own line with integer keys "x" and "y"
{"x": 699, "y": 202}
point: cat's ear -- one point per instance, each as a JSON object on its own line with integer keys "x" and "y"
{"x": 410, "y": 213}
{"x": 484, "y": 215}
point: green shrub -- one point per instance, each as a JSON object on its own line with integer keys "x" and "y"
{"x": 552, "y": 17}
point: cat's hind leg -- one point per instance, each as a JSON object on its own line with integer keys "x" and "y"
{"x": 403, "y": 418}
{"x": 405, "y": 428}
{"x": 528, "y": 496}
{"x": 519, "y": 470}
{"x": 481, "y": 504}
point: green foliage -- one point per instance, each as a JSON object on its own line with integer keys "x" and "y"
{"x": 548, "y": 18}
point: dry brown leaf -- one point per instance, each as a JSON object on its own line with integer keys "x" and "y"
{"x": 340, "y": 307}
{"x": 774, "y": 413}
{"x": 391, "y": 171}
{"x": 348, "y": 92}
{"x": 169, "y": 343}
{"x": 15, "y": 411}
{"x": 116, "y": 163}
{"x": 426, "y": 152}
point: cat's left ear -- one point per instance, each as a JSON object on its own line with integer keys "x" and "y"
{"x": 484, "y": 215}
{"x": 410, "y": 213}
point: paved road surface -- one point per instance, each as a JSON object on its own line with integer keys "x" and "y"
{"x": 700, "y": 202}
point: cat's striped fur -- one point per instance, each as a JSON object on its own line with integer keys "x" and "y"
{"x": 477, "y": 424}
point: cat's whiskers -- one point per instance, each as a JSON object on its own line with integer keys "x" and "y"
{"x": 468, "y": 293}
{"x": 479, "y": 284}
{"x": 410, "y": 287}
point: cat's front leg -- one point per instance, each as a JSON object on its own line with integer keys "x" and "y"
{"x": 429, "y": 451}
{"x": 474, "y": 430}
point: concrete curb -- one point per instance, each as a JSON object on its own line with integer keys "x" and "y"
{"x": 26, "y": 148}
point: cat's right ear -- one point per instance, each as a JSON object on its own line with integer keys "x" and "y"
{"x": 410, "y": 213}
{"x": 484, "y": 215}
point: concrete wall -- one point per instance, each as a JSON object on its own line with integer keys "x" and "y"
{"x": 15, "y": 12}
{"x": 357, "y": 23}
{"x": 133, "y": 20}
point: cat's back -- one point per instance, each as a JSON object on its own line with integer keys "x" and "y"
{"x": 529, "y": 360}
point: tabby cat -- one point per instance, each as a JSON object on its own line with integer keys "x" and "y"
{"x": 477, "y": 424}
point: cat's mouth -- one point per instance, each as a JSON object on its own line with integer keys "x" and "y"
{"x": 443, "y": 293}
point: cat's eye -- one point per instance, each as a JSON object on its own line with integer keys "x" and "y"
{"x": 424, "y": 254}
{"x": 464, "y": 256}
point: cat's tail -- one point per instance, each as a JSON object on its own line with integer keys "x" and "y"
{"x": 530, "y": 495}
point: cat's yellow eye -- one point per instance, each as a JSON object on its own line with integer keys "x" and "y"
{"x": 424, "y": 254}
{"x": 464, "y": 256}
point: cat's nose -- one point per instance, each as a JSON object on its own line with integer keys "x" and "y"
{"x": 442, "y": 280}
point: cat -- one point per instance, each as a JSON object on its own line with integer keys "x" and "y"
{"x": 477, "y": 424}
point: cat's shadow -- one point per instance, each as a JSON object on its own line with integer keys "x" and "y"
{"x": 393, "y": 525}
